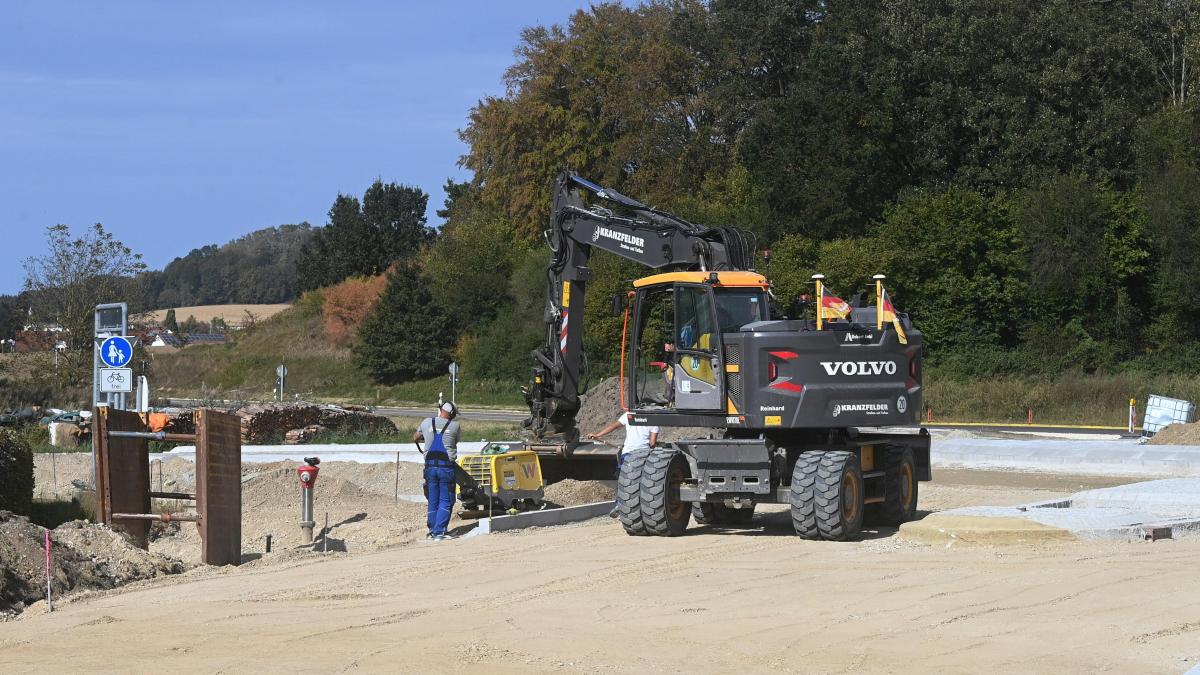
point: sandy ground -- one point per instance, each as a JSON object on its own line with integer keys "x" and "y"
{"x": 587, "y": 598}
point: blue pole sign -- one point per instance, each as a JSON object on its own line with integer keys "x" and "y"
{"x": 116, "y": 352}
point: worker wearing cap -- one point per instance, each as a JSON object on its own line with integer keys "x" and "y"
{"x": 441, "y": 433}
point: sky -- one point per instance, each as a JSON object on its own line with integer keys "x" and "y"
{"x": 178, "y": 125}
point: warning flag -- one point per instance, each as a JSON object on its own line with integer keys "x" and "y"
{"x": 889, "y": 314}
{"x": 833, "y": 307}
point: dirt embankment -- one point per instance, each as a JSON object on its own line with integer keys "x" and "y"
{"x": 84, "y": 557}
{"x": 1177, "y": 434}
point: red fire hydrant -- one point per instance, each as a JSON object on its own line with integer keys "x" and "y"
{"x": 308, "y": 478}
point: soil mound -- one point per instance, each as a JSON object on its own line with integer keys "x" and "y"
{"x": 571, "y": 492}
{"x": 84, "y": 557}
{"x": 602, "y": 405}
{"x": 1177, "y": 434}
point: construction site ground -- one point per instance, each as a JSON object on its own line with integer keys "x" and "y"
{"x": 588, "y": 598}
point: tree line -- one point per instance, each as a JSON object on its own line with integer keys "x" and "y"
{"x": 1026, "y": 173}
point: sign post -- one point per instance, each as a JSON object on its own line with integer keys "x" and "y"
{"x": 111, "y": 322}
{"x": 281, "y": 375}
{"x": 453, "y": 382}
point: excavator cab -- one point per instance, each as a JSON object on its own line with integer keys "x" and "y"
{"x": 677, "y": 355}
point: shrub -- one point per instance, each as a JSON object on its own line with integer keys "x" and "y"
{"x": 16, "y": 474}
{"x": 347, "y": 304}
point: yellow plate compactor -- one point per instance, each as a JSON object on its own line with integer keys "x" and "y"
{"x": 503, "y": 477}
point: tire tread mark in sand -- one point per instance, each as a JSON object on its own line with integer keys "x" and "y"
{"x": 1059, "y": 599}
{"x": 1178, "y": 629}
{"x": 619, "y": 570}
{"x": 373, "y": 622}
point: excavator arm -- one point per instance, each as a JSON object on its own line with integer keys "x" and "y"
{"x": 586, "y": 216}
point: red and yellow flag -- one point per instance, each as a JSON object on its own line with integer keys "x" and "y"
{"x": 889, "y": 314}
{"x": 833, "y": 307}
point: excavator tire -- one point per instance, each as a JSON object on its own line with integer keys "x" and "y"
{"x": 900, "y": 488}
{"x": 663, "y": 513}
{"x": 804, "y": 495}
{"x": 839, "y": 495}
{"x": 629, "y": 485}
{"x": 708, "y": 513}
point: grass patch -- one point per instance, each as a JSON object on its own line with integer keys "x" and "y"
{"x": 1071, "y": 398}
{"x": 245, "y": 370}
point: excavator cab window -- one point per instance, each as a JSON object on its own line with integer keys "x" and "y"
{"x": 697, "y": 349}
{"x": 737, "y": 307}
{"x": 654, "y": 325}
{"x": 677, "y": 348}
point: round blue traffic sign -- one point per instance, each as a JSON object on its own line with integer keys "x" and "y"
{"x": 116, "y": 352}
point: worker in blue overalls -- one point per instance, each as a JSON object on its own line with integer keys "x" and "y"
{"x": 441, "y": 434}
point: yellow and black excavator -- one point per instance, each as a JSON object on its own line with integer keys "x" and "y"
{"x": 820, "y": 415}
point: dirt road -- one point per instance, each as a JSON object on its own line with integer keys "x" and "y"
{"x": 587, "y": 598}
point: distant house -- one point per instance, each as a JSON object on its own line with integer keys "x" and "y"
{"x": 206, "y": 339}
{"x": 163, "y": 339}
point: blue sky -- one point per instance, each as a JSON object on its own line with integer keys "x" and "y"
{"x": 184, "y": 124}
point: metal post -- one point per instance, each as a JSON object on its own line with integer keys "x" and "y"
{"x": 49, "y": 602}
{"x": 396, "y": 494}
{"x": 325, "y": 535}
{"x": 820, "y": 299}
{"x": 306, "y": 515}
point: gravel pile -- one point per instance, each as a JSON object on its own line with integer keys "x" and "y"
{"x": 602, "y": 404}
{"x": 1177, "y": 434}
{"x": 571, "y": 492}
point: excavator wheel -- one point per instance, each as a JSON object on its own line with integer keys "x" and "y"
{"x": 804, "y": 495}
{"x": 839, "y": 495}
{"x": 663, "y": 513}
{"x": 629, "y": 482}
{"x": 900, "y": 489}
{"x": 708, "y": 513}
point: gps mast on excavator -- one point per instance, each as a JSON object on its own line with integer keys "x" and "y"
{"x": 796, "y": 404}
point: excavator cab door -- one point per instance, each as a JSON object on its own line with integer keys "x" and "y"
{"x": 696, "y": 363}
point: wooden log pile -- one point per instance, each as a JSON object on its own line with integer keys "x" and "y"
{"x": 268, "y": 423}
{"x": 264, "y": 423}
{"x": 303, "y": 435}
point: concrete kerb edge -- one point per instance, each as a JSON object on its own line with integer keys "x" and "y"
{"x": 546, "y": 518}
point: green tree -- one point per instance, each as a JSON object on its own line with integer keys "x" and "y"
{"x": 611, "y": 95}
{"x": 170, "y": 323}
{"x": 16, "y": 465}
{"x": 408, "y": 334}
{"x": 1169, "y": 161}
{"x": 953, "y": 261}
{"x": 365, "y": 238}
{"x": 76, "y": 274}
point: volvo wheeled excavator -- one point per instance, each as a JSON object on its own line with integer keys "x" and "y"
{"x": 820, "y": 415}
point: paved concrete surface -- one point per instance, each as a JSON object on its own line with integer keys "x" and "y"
{"x": 1122, "y": 457}
{"x": 1172, "y": 498}
{"x": 1122, "y": 512}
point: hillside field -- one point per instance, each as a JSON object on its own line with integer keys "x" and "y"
{"x": 231, "y": 314}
